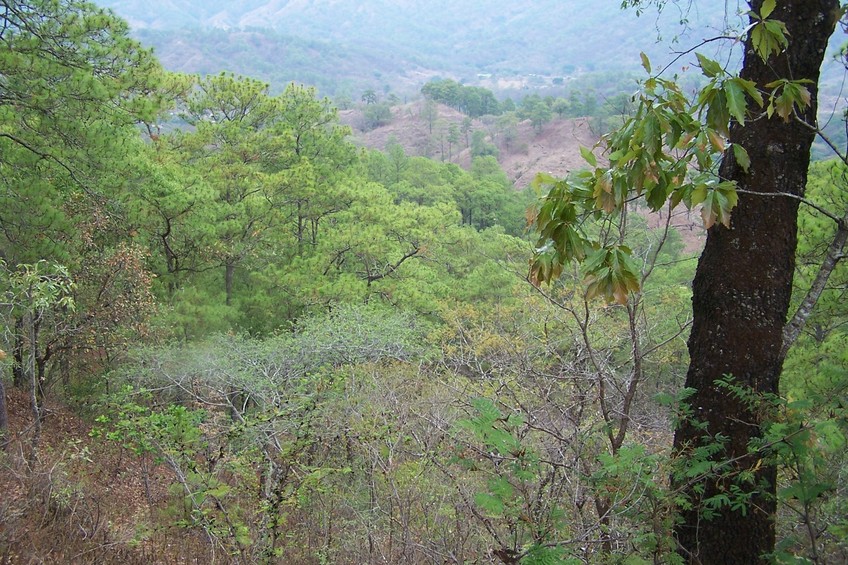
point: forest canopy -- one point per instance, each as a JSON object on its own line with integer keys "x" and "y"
{"x": 282, "y": 347}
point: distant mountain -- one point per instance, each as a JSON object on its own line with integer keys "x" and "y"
{"x": 345, "y": 47}
{"x": 487, "y": 35}
{"x": 279, "y": 59}
{"x": 459, "y": 39}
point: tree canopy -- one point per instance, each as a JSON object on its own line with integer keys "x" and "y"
{"x": 282, "y": 347}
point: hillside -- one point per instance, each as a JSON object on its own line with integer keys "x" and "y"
{"x": 345, "y": 47}
{"x": 279, "y": 59}
{"x": 486, "y": 36}
{"x": 355, "y": 45}
{"x": 555, "y": 149}
{"x": 231, "y": 333}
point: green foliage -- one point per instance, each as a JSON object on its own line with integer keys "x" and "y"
{"x": 515, "y": 469}
{"x": 768, "y": 36}
{"x": 480, "y": 147}
{"x": 242, "y": 477}
{"x": 36, "y": 288}
{"x": 346, "y": 348}
{"x": 809, "y": 431}
{"x": 376, "y": 115}
{"x": 824, "y": 190}
{"x": 473, "y": 101}
{"x": 540, "y": 555}
{"x": 610, "y": 272}
{"x": 535, "y": 109}
{"x": 36, "y": 301}
{"x": 74, "y": 87}
{"x": 663, "y": 153}
{"x": 805, "y": 436}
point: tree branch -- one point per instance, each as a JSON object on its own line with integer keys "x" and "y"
{"x": 834, "y": 254}
{"x": 46, "y": 156}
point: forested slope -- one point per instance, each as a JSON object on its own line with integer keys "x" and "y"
{"x": 231, "y": 333}
{"x": 489, "y": 36}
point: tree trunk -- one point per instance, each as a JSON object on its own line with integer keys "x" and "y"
{"x": 229, "y": 273}
{"x": 4, "y": 418}
{"x": 31, "y": 325}
{"x": 741, "y": 297}
{"x": 18, "y": 376}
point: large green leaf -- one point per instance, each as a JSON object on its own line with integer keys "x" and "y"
{"x": 710, "y": 68}
{"x": 736, "y": 103}
{"x": 742, "y": 157}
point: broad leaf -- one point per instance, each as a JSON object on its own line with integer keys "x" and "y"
{"x": 611, "y": 274}
{"x": 718, "y": 113}
{"x": 588, "y": 156}
{"x": 646, "y": 63}
{"x": 717, "y": 201}
{"x": 742, "y": 157}
{"x": 767, "y": 8}
{"x": 736, "y": 103}
{"x": 791, "y": 93}
{"x": 710, "y": 68}
{"x": 716, "y": 140}
{"x": 769, "y": 37}
{"x": 750, "y": 88}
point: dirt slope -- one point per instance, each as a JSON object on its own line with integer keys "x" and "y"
{"x": 555, "y": 149}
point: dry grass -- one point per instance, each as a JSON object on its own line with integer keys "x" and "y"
{"x": 82, "y": 501}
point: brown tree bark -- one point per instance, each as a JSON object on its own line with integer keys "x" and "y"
{"x": 4, "y": 415}
{"x": 18, "y": 376}
{"x": 741, "y": 297}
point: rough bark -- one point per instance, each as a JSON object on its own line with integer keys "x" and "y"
{"x": 4, "y": 417}
{"x": 18, "y": 377}
{"x": 741, "y": 297}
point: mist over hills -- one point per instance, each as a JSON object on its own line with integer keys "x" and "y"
{"x": 403, "y": 43}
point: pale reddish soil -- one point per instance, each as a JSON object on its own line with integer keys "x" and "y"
{"x": 555, "y": 149}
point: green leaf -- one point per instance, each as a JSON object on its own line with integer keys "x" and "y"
{"x": 491, "y": 505}
{"x": 603, "y": 194}
{"x": 588, "y": 156}
{"x": 710, "y": 68}
{"x": 742, "y": 157}
{"x": 540, "y": 555}
{"x": 791, "y": 93}
{"x": 767, "y": 8}
{"x": 784, "y": 105}
{"x": 657, "y": 196}
{"x": 646, "y": 63}
{"x": 651, "y": 134}
{"x": 501, "y": 488}
{"x": 718, "y": 113}
{"x": 750, "y": 88}
{"x": 611, "y": 274}
{"x": 486, "y": 409}
{"x": 736, "y": 103}
{"x": 541, "y": 180}
{"x": 717, "y": 203}
{"x": 769, "y": 37}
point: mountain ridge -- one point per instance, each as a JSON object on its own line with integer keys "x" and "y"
{"x": 547, "y": 36}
